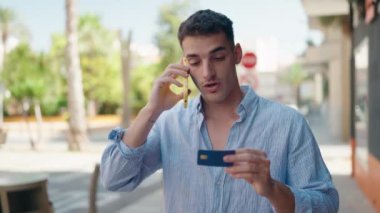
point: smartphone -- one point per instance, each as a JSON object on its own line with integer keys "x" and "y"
{"x": 214, "y": 158}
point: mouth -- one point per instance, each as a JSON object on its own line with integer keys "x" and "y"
{"x": 212, "y": 87}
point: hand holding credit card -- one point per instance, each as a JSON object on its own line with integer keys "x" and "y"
{"x": 214, "y": 158}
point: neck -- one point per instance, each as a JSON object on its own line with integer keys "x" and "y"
{"x": 227, "y": 108}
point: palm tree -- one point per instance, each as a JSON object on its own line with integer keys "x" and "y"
{"x": 77, "y": 120}
{"x": 7, "y": 17}
{"x": 125, "y": 49}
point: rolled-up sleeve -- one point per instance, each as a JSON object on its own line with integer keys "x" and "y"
{"x": 308, "y": 177}
{"x": 309, "y": 200}
{"x": 123, "y": 168}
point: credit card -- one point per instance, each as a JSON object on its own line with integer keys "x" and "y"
{"x": 214, "y": 158}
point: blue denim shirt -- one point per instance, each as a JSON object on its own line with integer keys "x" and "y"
{"x": 179, "y": 133}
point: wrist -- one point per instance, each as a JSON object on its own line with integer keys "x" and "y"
{"x": 281, "y": 197}
{"x": 271, "y": 190}
{"x": 151, "y": 112}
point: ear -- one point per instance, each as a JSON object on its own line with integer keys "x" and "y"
{"x": 238, "y": 53}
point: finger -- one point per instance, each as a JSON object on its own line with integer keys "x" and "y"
{"x": 244, "y": 168}
{"x": 243, "y": 157}
{"x": 248, "y": 150}
{"x": 265, "y": 165}
{"x": 179, "y": 66}
{"x": 173, "y": 72}
{"x": 169, "y": 80}
{"x": 247, "y": 176}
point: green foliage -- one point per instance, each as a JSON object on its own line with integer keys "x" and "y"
{"x": 295, "y": 76}
{"x": 170, "y": 17}
{"x": 142, "y": 78}
{"x": 28, "y": 77}
{"x": 102, "y": 80}
{"x": 327, "y": 21}
{"x": 54, "y": 102}
{"x": 6, "y": 16}
{"x": 99, "y": 60}
{"x": 22, "y": 73}
{"x": 57, "y": 51}
{"x": 10, "y": 26}
{"x": 93, "y": 37}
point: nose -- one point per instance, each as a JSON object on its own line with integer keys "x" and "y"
{"x": 208, "y": 71}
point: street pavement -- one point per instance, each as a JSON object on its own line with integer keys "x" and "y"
{"x": 69, "y": 173}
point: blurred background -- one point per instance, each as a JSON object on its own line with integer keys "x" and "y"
{"x": 71, "y": 70}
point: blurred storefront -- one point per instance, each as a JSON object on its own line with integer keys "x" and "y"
{"x": 365, "y": 63}
{"x": 327, "y": 62}
{"x": 349, "y": 61}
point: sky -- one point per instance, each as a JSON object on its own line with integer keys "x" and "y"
{"x": 284, "y": 20}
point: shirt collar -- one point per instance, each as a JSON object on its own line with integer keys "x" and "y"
{"x": 198, "y": 104}
{"x": 246, "y": 105}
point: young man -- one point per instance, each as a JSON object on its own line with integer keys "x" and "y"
{"x": 277, "y": 165}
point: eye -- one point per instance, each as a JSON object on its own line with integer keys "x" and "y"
{"x": 219, "y": 57}
{"x": 194, "y": 62}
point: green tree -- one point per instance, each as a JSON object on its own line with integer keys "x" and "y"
{"x": 100, "y": 63}
{"x": 294, "y": 77}
{"x": 142, "y": 80}
{"x": 53, "y": 104}
{"x": 170, "y": 17}
{"x": 27, "y": 76}
{"x": 9, "y": 26}
{"x": 7, "y": 19}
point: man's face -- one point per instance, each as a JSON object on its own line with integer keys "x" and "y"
{"x": 212, "y": 60}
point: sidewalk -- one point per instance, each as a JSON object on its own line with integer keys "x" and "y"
{"x": 337, "y": 156}
{"x": 70, "y": 172}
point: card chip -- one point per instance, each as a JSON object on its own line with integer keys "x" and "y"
{"x": 203, "y": 157}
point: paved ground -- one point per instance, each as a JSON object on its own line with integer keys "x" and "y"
{"x": 70, "y": 173}
{"x": 337, "y": 155}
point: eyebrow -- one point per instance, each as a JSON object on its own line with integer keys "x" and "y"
{"x": 217, "y": 49}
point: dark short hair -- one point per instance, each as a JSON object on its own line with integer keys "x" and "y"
{"x": 206, "y": 22}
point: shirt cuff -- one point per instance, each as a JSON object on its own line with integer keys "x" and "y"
{"x": 301, "y": 200}
{"x": 129, "y": 152}
{"x": 116, "y": 135}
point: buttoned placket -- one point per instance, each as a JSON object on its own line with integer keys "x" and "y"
{"x": 219, "y": 173}
{"x": 233, "y": 138}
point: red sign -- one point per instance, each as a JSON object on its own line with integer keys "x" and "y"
{"x": 249, "y": 60}
{"x": 370, "y": 11}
